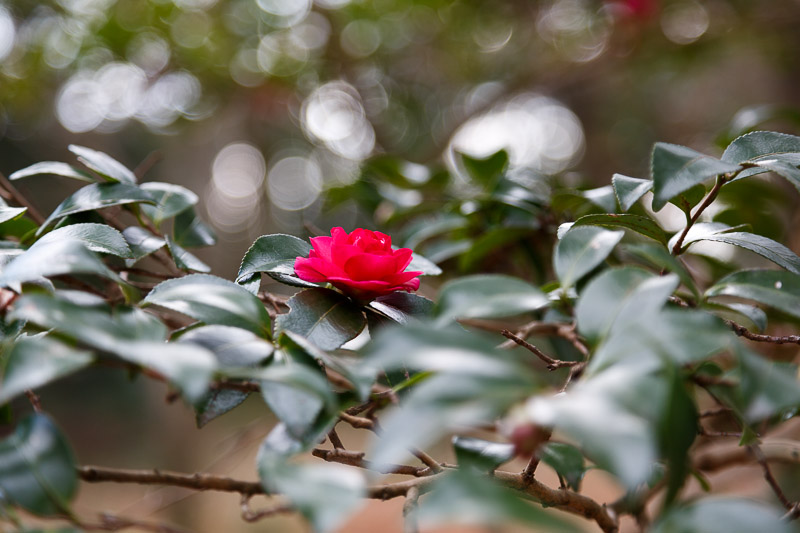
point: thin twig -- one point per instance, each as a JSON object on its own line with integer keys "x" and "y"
{"x": 356, "y": 459}
{"x": 712, "y": 195}
{"x": 335, "y": 440}
{"x": 358, "y": 422}
{"x": 19, "y": 198}
{"x": 533, "y": 464}
{"x": 197, "y": 481}
{"x": 249, "y": 515}
{"x": 409, "y": 507}
{"x": 148, "y": 163}
{"x": 427, "y": 460}
{"x": 552, "y": 364}
{"x": 771, "y": 481}
{"x": 747, "y": 334}
{"x": 36, "y": 402}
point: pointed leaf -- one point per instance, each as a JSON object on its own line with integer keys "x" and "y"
{"x": 326, "y": 318}
{"x": 272, "y": 253}
{"x": 567, "y": 461}
{"x": 191, "y": 232}
{"x": 770, "y": 150}
{"x": 52, "y": 167}
{"x": 212, "y": 300}
{"x": 37, "y": 467}
{"x": 581, "y": 250}
{"x": 773, "y": 288}
{"x": 676, "y": 169}
{"x": 184, "y": 259}
{"x": 33, "y": 362}
{"x": 142, "y": 243}
{"x": 629, "y": 190}
{"x": 487, "y": 296}
{"x": 103, "y": 164}
{"x": 772, "y": 250}
{"x": 403, "y": 306}
{"x": 97, "y": 196}
{"x": 96, "y": 237}
{"x": 170, "y": 199}
{"x": 642, "y": 225}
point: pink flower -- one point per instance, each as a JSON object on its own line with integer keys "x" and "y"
{"x": 361, "y": 264}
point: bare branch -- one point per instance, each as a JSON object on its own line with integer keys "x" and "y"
{"x": 410, "y": 520}
{"x": 771, "y": 481}
{"x": 552, "y": 364}
{"x": 747, "y": 334}
{"x": 249, "y": 515}
{"x": 197, "y": 481}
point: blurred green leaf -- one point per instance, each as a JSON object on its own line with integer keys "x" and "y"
{"x": 97, "y": 196}
{"x": 642, "y": 225}
{"x": 170, "y": 199}
{"x": 424, "y": 265}
{"x": 629, "y": 190}
{"x": 722, "y": 515}
{"x": 103, "y": 164}
{"x": 212, "y": 300}
{"x": 677, "y": 431}
{"x": 142, "y": 243}
{"x": 487, "y": 296}
{"x": 427, "y": 228}
{"x": 99, "y": 238}
{"x": 481, "y": 454}
{"x": 326, "y": 318}
{"x": 677, "y": 168}
{"x": 33, "y": 362}
{"x": 767, "y": 388}
{"x": 403, "y": 306}
{"x": 772, "y": 250}
{"x": 191, "y": 232}
{"x": 580, "y": 250}
{"x": 486, "y": 171}
{"x": 660, "y": 258}
{"x": 52, "y": 167}
{"x": 602, "y": 197}
{"x": 11, "y": 213}
{"x": 773, "y": 288}
{"x": 567, "y": 461}
{"x": 754, "y": 318}
{"x": 272, "y": 253}
{"x": 37, "y": 467}
{"x": 184, "y": 259}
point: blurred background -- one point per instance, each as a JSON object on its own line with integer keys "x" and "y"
{"x": 294, "y": 116}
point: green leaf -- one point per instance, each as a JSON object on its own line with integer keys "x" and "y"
{"x": 97, "y": 196}
{"x": 11, "y": 213}
{"x": 54, "y": 259}
{"x": 232, "y": 347}
{"x": 96, "y": 237}
{"x": 325, "y": 494}
{"x": 629, "y": 190}
{"x": 191, "y": 232}
{"x": 602, "y": 197}
{"x": 403, "y": 306}
{"x": 481, "y": 454}
{"x": 142, "y": 243}
{"x": 722, "y": 515}
{"x": 37, "y": 467}
{"x": 767, "y": 388}
{"x": 421, "y": 264}
{"x": 170, "y": 199}
{"x": 677, "y": 430}
{"x": 103, "y": 164}
{"x": 212, "y": 300}
{"x": 773, "y": 288}
{"x": 582, "y": 249}
{"x": 32, "y": 362}
{"x": 567, "y": 461}
{"x": 643, "y": 225}
{"x": 425, "y": 229}
{"x": 326, "y": 318}
{"x": 463, "y": 497}
{"x": 487, "y": 296}
{"x": 272, "y": 253}
{"x": 663, "y": 260}
{"x": 185, "y": 260}
{"x": 487, "y": 171}
{"x": 752, "y": 317}
{"x": 767, "y": 149}
{"x": 772, "y": 250}
{"x": 52, "y": 167}
{"x": 676, "y": 169}
{"x": 689, "y": 198}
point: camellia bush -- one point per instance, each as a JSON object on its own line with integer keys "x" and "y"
{"x": 569, "y": 328}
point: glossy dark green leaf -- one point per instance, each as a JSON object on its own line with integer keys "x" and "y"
{"x": 54, "y": 258}
{"x": 184, "y": 259}
{"x": 767, "y": 149}
{"x": 582, "y": 249}
{"x": 33, "y": 362}
{"x": 772, "y": 250}
{"x": 141, "y": 242}
{"x": 660, "y": 258}
{"x": 722, "y": 515}
{"x": 326, "y": 318}
{"x": 403, "y": 306}
{"x": 642, "y": 225}
{"x": 103, "y": 164}
{"x": 170, "y": 199}
{"x": 629, "y": 190}
{"x": 567, "y": 461}
{"x": 487, "y": 296}
{"x": 689, "y": 198}
{"x": 37, "y": 467}
{"x": 52, "y": 167}
{"x": 677, "y": 431}
{"x": 773, "y": 288}
{"x": 99, "y": 238}
{"x": 602, "y": 197}
{"x": 272, "y": 253}
{"x": 232, "y": 347}
{"x": 481, "y": 454}
{"x": 97, "y": 196}
{"x": 752, "y": 317}
{"x": 212, "y": 300}
{"x": 466, "y": 498}
{"x": 191, "y": 232}
{"x": 676, "y": 169}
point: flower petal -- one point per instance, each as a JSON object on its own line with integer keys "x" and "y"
{"x": 402, "y": 257}
{"x": 322, "y": 247}
{"x": 364, "y": 267}
{"x": 305, "y": 270}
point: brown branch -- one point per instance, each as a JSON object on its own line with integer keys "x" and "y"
{"x": 774, "y": 451}
{"x": 771, "y": 481}
{"x": 533, "y": 464}
{"x": 197, "y": 481}
{"x": 747, "y": 334}
{"x": 712, "y": 195}
{"x": 249, "y": 515}
{"x": 409, "y": 507}
{"x": 358, "y": 422}
{"x": 36, "y": 402}
{"x": 714, "y": 412}
{"x": 552, "y": 364}
{"x": 427, "y": 460}
{"x": 357, "y": 459}
{"x": 19, "y": 198}
{"x": 335, "y": 440}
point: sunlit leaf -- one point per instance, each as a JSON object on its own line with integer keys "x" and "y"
{"x": 52, "y": 167}
{"x": 103, "y": 164}
{"x": 580, "y": 250}
{"x": 629, "y": 190}
{"x": 170, "y": 199}
{"x": 96, "y": 237}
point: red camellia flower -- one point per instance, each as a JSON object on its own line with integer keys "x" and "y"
{"x": 361, "y": 264}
